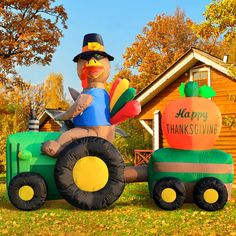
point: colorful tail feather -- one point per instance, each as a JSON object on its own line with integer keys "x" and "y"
{"x": 113, "y": 87}
{"x": 122, "y": 105}
{"x": 130, "y": 110}
{"x": 119, "y": 90}
{"x": 127, "y": 96}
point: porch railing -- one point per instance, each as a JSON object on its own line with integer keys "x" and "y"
{"x": 141, "y": 157}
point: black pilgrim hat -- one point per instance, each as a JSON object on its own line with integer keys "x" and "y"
{"x": 92, "y": 44}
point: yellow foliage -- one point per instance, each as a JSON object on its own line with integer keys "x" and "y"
{"x": 54, "y": 92}
{"x": 134, "y": 213}
{"x": 16, "y": 98}
{"x": 220, "y": 22}
{"x": 166, "y": 38}
{"x": 13, "y": 118}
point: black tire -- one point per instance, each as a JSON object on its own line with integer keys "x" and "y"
{"x": 176, "y": 186}
{"x": 210, "y": 183}
{"x": 36, "y": 183}
{"x": 90, "y": 146}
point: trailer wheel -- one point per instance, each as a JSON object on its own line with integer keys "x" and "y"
{"x": 89, "y": 173}
{"x": 210, "y": 194}
{"x": 27, "y": 191}
{"x": 169, "y": 193}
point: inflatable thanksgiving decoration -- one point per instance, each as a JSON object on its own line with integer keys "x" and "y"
{"x": 94, "y": 112}
{"x": 190, "y": 170}
{"x": 89, "y": 173}
{"x": 191, "y": 123}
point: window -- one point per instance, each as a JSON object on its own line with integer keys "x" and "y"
{"x": 201, "y": 75}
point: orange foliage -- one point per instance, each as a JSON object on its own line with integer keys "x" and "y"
{"x": 163, "y": 40}
{"x": 29, "y": 32}
{"x": 161, "y": 43}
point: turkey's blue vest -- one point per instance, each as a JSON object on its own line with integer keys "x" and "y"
{"x": 98, "y": 112}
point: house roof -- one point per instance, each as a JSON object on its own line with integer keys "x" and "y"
{"x": 184, "y": 63}
{"x": 51, "y": 113}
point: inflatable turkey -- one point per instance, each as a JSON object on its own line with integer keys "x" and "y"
{"x": 95, "y": 112}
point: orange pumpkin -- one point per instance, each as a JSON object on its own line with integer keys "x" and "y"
{"x": 191, "y": 123}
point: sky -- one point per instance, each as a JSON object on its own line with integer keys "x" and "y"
{"x": 117, "y": 21}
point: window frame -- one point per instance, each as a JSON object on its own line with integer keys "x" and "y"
{"x": 194, "y": 70}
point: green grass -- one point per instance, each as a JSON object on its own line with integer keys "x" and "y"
{"x": 133, "y": 214}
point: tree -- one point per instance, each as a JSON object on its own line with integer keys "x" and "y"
{"x": 162, "y": 41}
{"x": 14, "y": 112}
{"x": 220, "y": 20}
{"x": 17, "y": 98}
{"x": 219, "y": 25}
{"x": 29, "y": 32}
{"x": 54, "y": 92}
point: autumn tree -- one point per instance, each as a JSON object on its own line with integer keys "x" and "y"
{"x": 160, "y": 44}
{"x": 54, "y": 97}
{"x": 220, "y": 20}
{"x": 219, "y": 25}
{"x": 30, "y": 32}
{"x": 162, "y": 41}
{"x": 14, "y": 111}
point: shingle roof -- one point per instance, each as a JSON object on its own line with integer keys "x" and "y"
{"x": 52, "y": 113}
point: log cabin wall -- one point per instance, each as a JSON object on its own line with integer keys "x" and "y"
{"x": 160, "y": 101}
{"x": 225, "y": 99}
{"x": 50, "y": 125}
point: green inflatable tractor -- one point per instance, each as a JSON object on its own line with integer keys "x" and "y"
{"x": 90, "y": 174}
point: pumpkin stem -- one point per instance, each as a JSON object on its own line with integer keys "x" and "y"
{"x": 191, "y": 89}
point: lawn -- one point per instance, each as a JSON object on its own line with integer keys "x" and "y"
{"x": 133, "y": 214}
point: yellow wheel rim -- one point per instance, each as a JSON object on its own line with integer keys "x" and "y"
{"x": 211, "y": 195}
{"x": 168, "y": 195}
{"x": 26, "y": 193}
{"x": 90, "y": 173}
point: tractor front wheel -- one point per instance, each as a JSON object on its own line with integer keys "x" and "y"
{"x": 27, "y": 191}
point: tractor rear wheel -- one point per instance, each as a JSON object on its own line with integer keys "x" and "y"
{"x": 210, "y": 194}
{"x": 89, "y": 173}
{"x": 169, "y": 193}
{"x": 27, "y": 191}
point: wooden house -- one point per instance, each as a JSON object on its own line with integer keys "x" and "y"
{"x": 47, "y": 120}
{"x": 194, "y": 65}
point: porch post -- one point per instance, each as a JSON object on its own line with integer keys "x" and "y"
{"x": 146, "y": 126}
{"x": 156, "y": 131}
